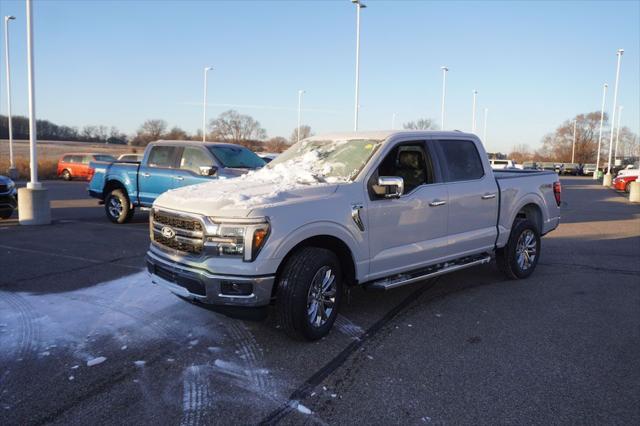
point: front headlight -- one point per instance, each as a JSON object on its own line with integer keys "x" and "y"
{"x": 236, "y": 237}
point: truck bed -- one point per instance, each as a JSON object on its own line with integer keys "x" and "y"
{"x": 103, "y": 170}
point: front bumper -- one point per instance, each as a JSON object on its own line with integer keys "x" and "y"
{"x": 8, "y": 201}
{"x": 206, "y": 287}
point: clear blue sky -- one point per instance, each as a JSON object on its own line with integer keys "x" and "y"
{"x": 534, "y": 64}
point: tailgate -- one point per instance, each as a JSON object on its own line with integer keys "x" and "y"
{"x": 96, "y": 185}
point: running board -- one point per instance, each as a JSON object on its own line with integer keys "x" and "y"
{"x": 430, "y": 272}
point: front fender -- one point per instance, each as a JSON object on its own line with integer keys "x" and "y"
{"x": 353, "y": 239}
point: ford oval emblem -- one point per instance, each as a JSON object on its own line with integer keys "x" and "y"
{"x": 168, "y": 232}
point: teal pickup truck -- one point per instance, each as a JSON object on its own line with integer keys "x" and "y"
{"x": 122, "y": 186}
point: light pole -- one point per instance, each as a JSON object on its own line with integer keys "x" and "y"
{"x": 473, "y": 112}
{"x": 607, "y": 178}
{"x": 12, "y": 167}
{"x": 359, "y": 6}
{"x": 33, "y": 201}
{"x": 204, "y": 106}
{"x": 604, "y": 96}
{"x": 573, "y": 146}
{"x": 484, "y": 130}
{"x": 444, "y": 93}
{"x": 300, "y": 93}
{"x": 615, "y": 153}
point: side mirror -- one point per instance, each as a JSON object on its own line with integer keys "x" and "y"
{"x": 208, "y": 170}
{"x": 392, "y": 186}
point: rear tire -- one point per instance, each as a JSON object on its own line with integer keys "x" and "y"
{"x": 519, "y": 258}
{"x": 117, "y": 207}
{"x": 627, "y": 187}
{"x": 309, "y": 293}
{"x": 66, "y": 175}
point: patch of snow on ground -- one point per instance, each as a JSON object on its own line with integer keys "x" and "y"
{"x": 301, "y": 408}
{"x": 96, "y": 361}
{"x": 139, "y": 363}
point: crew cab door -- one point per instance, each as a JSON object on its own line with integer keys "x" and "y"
{"x": 473, "y": 197}
{"x": 410, "y": 231}
{"x": 156, "y": 173}
{"x": 192, "y": 158}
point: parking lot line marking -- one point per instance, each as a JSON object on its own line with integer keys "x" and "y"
{"x": 304, "y": 390}
{"x": 66, "y": 256}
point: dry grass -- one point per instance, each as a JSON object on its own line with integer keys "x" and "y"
{"x": 47, "y": 169}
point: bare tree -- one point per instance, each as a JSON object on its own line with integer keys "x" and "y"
{"x": 521, "y": 153}
{"x": 277, "y": 144}
{"x": 420, "y": 124}
{"x": 558, "y": 146}
{"x": 231, "y": 126}
{"x": 177, "y": 134}
{"x": 151, "y": 130}
{"x": 305, "y": 132}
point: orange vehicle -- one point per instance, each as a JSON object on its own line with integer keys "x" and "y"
{"x": 76, "y": 165}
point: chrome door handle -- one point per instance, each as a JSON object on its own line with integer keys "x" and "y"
{"x": 146, "y": 174}
{"x": 488, "y": 196}
{"x": 178, "y": 178}
{"x": 436, "y": 203}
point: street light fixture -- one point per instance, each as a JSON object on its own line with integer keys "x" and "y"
{"x": 473, "y": 119}
{"x": 204, "y": 106}
{"x": 608, "y": 179}
{"x": 573, "y": 147}
{"x": 300, "y": 93}
{"x": 12, "y": 167}
{"x": 359, "y": 5}
{"x": 444, "y": 92}
{"x": 615, "y": 153}
{"x": 604, "y": 96}
{"x": 33, "y": 201}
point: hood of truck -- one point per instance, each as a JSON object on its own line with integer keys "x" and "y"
{"x": 238, "y": 197}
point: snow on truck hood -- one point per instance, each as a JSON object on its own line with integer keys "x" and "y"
{"x": 236, "y": 197}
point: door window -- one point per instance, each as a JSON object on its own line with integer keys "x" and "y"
{"x": 408, "y": 161}
{"x": 462, "y": 160}
{"x": 162, "y": 156}
{"x": 194, "y": 158}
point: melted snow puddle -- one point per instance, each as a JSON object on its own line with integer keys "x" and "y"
{"x": 128, "y": 310}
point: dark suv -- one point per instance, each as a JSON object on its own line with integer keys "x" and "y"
{"x": 8, "y": 197}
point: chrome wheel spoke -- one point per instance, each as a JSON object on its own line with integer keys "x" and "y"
{"x": 321, "y": 297}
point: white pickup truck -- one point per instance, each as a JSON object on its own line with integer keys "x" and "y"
{"x": 375, "y": 209}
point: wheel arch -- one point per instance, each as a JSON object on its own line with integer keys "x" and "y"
{"x": 329, "y": 242}
{"x": 113, "y": 184}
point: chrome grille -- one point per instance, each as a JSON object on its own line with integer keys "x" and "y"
{"x": 188, "y": 235}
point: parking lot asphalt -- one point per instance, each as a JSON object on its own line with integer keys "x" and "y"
{"x": 86, "y": 338}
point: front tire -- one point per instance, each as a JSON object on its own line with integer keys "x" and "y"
{"x": 117, "y": 207}
{"x": 66, "y": 175}
{"x": 6, "y": 214}
{"x": 309, "y": 293}
{"x": 519, "y": 258}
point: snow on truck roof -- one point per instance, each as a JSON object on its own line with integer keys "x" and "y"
{"x": 385, "y": 134}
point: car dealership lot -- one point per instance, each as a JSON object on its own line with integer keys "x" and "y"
{"x": 85, "y": 337}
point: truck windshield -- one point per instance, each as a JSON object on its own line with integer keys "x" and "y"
{"x": 236, "y": 157}
{"x": 328, "y": 160}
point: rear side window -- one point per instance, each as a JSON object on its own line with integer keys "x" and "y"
{"x": 162, "y": 156}
{"x": 66, "y": 159}
{"x": 105, "y": 158}
{"x": 462, "y": 160}
{"x": 76, "y": 158}
{"x": 193, "y": 159}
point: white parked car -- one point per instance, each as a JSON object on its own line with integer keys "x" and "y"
{"x": 374, "y": 209}
{"x": 505, "y": 164}
{"x": 131, "y": 157}
{"x": 630, "y": 170}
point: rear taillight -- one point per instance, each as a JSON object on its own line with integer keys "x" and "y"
{"x": 557, "y": 192}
